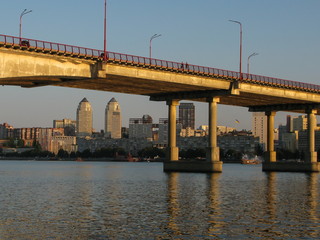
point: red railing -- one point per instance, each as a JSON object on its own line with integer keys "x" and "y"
{"x": 64, "y": 49}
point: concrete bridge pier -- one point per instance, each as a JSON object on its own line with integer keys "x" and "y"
{"x": 212, "y": 163}
{"x": 213, "y": 151}
{"x": 311, "y": 156}
{"x": 271, "y": 155}
{"x": 173, "y": 150}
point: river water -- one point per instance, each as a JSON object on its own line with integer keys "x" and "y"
{"x": 108, "y": 200}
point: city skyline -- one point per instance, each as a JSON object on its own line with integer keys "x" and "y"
{"x": 280, "y": 40}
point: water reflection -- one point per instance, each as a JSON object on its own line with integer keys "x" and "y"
{"x": 215, "y": 222}
{"x": 271, "y": 194}
{"x": 173, "y": 203}
{"x": 139, "y": 201}
{"x": 269, "y": 206}
{"x": 312, "y": 202}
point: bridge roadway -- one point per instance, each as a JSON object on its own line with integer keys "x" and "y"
{"x": 32, "y": 63}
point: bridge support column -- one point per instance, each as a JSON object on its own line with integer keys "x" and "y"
{"x": 270, "y": 154}
{"x": 213, "y": 153}
{"x": 173, "y": 150}
{"x": 312, "y": 154}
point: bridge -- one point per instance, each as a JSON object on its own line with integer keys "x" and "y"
{"x": 33, "y": 63}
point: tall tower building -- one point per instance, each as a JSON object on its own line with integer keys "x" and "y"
{"x": 187, "y": 115}
{"x": 84, "y": 118}
{"x": 113, "y": 120}
{"x": 259, "y": 127}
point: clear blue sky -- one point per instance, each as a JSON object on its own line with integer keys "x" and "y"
{"x": 285, "y": 33}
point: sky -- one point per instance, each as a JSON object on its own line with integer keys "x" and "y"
{"x": 285, "y": 34}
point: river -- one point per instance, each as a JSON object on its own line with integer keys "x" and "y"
{"x": 118, "y": 200}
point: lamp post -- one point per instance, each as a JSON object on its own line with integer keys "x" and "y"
{"x": 150, "y": 47}
{"x": 25, "y": 11}
{"x": 105, "y": 32}
{"x": 240, "y": 70}
{"x": 253, "y": 54}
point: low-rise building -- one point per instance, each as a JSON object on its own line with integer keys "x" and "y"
{"x": 66, "y": 143}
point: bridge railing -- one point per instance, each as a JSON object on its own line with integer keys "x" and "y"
{"x": 69, "y": 50}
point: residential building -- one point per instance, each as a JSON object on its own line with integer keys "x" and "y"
{"x": 187, "y": 132}
{"x": 187, "y": 115}
{"x": 224, "y": 129}
{"x": 259, "y": 127}
{"x": 303, "y": 144}
{"x": 113, "y": 120}
{"x": 46, "y": 135}
{"x": 141, "y": 127}
{"x": 66, "y": 143}
{"x": 5, "y": 131}
{"x": 245, "y": 143}
{"x": 163, "y": 130}
{"x": 300, "y": 123}
{"x": 68, "y": 125}
{"x": 84, "y": 119}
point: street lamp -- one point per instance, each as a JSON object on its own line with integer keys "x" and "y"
{"x": 253, "y": 54}
{"x": 153, "y": 37}
{"x": 105, "y": 32}
{"x": 240, "y": 70}
{"x": 25, "y": 11}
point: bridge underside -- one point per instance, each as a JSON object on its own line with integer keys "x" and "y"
{"x": 163, "y": 91}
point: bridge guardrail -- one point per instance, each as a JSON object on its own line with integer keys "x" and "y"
{"x": 69, "y": 50}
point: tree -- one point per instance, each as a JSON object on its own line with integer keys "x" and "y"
{"x": 36, "y": 145}
{"x": 86, "y": 153}
{"x": 259, "y": 150}
{"x": 151, "y": 152}
{"x": 62, "y": 153}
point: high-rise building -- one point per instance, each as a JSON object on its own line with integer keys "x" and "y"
{"x": 187, "y": 115}
{"x": 259, "y": 127}
{"x": 84, "y": 118}
{"x": 113, "y": 120}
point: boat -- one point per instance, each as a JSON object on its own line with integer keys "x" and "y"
{"x": 250, "y": 160}
{"x": 79, "y": 159}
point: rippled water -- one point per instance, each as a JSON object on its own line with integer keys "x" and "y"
{"x": 106, "y": 200}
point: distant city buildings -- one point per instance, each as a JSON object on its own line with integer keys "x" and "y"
{"x": 71, "y": 136}
{"x": 294, "y": 136}
{"x": 163, "y": 130}
{"x": 6, "y": 131}
{"x": 237, "y": 141}
{"x": 66, "y": 143}
{"x": 141, "y": 127}
{"x": 68, "y": 125}
{"x": 84, "y": 119}
{"x": 113, "y": 120}
{"x": 187, "y": 115}
{"x": 299, "y": 123}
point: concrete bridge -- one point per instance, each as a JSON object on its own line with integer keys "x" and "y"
{"x": 32, "y": 63}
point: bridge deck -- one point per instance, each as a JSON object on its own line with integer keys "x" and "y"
{"x": 140, "y": 75}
